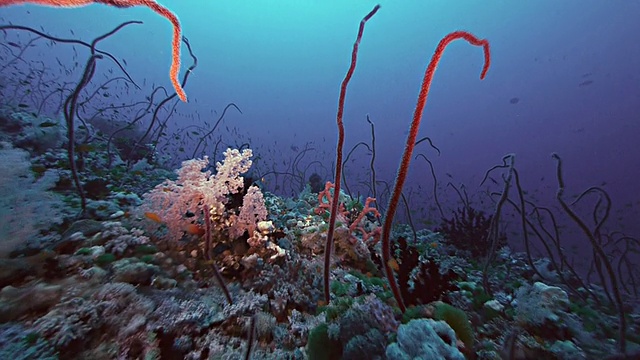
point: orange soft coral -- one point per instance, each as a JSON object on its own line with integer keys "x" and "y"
{"x": 151, "y": 4}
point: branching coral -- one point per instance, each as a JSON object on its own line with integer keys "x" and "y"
{"x": 151, "y": 4}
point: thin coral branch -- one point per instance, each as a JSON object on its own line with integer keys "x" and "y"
{"x": 215, "y": 126}
{"x": 435, "y": 184}
{"x": 600, "y": 256}
{"x": 428, "y": 139}
{"x": 72, "y": 41}
{"x": 338, "y": 165}
{"x": 151, "y": 4}
{"x": 374, "y": 191}
{"x": 346, "y": 159}
{"x": 154, "y": 118}
{"x": 208, "y": 253}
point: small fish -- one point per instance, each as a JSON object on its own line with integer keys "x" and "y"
{"x": 154, "y": 217}
{"x": 393, "y": 264}
{"x": 23, "y": 106}
{"x": 194, "y": 229}
{"x": 585, "y": 83}
{"x": 85, "y": 148}
{"x": 47, "y": 124}
{"x": 11, "y": 43}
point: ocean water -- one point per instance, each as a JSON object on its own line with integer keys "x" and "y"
{"x": 127, "y": 258}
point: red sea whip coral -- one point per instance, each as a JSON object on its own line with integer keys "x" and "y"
{"x": 151, "y": 4}
{"x": 410, "y": 144}
{"x": 406, "y": 157}
{"x": 334, "y": 204}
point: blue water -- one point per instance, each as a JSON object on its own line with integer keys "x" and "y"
{"x": 564, "y": 78}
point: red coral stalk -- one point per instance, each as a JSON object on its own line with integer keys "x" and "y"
{"x": 151, "y": 4}
{"x": 409, "y": 146}
{"x": 334, "y": 205}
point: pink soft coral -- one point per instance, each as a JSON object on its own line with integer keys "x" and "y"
{"x": 252, "y": 211}
{"x": 194, "y": 190}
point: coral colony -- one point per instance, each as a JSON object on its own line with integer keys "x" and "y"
{"x": 106, "y": 254}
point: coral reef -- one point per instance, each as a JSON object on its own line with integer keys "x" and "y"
{"x": 105, "y": 253}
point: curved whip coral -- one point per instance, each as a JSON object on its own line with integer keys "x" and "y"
{"x": 151, "y": 4}
{"x": 410, "y": 145}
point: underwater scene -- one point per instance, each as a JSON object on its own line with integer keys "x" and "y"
{"x": 335, "y": 179}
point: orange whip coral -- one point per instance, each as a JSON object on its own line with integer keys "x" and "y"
{"x": 410, "y": 145}
{"x": 151, "y": 4}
